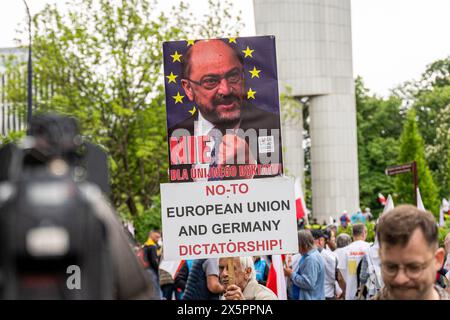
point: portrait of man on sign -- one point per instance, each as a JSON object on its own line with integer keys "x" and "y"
{"x": 222, "y": 111}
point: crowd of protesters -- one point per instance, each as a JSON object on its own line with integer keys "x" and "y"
{"x": 403, "y": 262}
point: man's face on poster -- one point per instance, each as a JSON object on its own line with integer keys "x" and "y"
{"x": 215, "y": 82}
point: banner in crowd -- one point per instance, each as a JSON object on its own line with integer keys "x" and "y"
{"x": 228, "y": 218}
{"x": 223, "y": 113}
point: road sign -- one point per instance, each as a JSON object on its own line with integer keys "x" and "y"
{"x": 403, "y": 168}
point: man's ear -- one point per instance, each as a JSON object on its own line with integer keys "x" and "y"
{"x": 248, "y": 272}
{"x": 439, "y": 255}
{"x": 188, "y": 89}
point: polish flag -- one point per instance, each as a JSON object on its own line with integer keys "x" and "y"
{"x": 381, "y": 199}
{"x": 276, "y": 281}
{"x": 300, "y": 200}
{"x": 389, "y": 205}
{"x": 171, "y": 266}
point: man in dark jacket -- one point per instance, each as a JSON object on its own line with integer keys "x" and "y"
{"x": 151, "y": 251}
{"x": 203, "y": 281}
{"x": 181, "y": 278}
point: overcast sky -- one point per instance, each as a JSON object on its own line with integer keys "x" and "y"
{"x": 393, "y": 40}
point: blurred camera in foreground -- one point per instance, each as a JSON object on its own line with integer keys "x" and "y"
{"x": 59, "y": 236}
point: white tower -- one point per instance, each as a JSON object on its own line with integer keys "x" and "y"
{"x": 314, "y": 52}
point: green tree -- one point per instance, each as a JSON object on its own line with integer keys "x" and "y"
{"x": 438, "y": 153}
{"x": 433, "y": 110}
{"x": 101, "y": 62}
{"x": 379, "y": 125}
{"x": 412, "y": 149}
{"x": 430, "y": 97}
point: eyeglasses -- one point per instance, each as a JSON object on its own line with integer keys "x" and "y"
{"x": 211, "y": 82}
{"x": 412, "y": 271}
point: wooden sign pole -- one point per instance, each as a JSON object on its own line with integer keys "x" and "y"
{"x": 231, "y": 279}
{"x": 405, "y": 168}
{"x": 415, "y": 181}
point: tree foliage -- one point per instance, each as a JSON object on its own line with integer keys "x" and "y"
{"x": 430, "y": 97}
{"x": 101, "y": 62}
{"x": 412, "y": 149}
{"x": 432, "y": 105}
{"x": 379, "y": 125}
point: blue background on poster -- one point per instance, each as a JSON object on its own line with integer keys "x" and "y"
{"x": 262, "y": 58}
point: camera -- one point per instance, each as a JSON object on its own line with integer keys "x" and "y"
{"x": 53, "y": 243}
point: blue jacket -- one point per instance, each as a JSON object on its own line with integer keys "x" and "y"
{"x": 261, "y": 270}
{"x": 308, "y": 280}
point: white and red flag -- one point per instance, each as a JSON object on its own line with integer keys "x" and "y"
{"x": 381, "y": 199}
{"x": 276, "y": 281}
{"x": 302, "y": 211}
{"x": 389, "y": 204}
{"x": 171, "y": 266}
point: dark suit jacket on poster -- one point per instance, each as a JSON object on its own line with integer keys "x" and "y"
{"x": 251, "y": 118}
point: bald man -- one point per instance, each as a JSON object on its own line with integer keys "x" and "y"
{"x": 213, "y": 78}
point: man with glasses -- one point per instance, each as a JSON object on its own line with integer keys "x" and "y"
{"x": 239, "y": 134}
{"x": 410, "y": 255}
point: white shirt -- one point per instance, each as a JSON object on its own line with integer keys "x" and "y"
{"x": 374, "y": 269}
{"x": 354, "y": 252}
{"x": 330, "y": 271}
{"x": 340, "y": 254}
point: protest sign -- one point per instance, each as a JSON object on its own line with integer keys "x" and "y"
{"x": 223, "y": 114}
{"x": 228, "y": 218}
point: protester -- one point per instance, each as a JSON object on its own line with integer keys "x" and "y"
{"x": 344, "y": 219}
{"x": 152, "y": 254}
{"x": 410, "y": 255}
{"x": 370, "y": 280}
{"x": 246, "y": 287}
{"x": 358, "y": 217}
{"x": 308, "y": 280}
{"x": 367, "y": 214}
{"x": 261, "y": 270}
{"x": 301, "y": 224}
{"x": 181, "y": 278}
{"x": 330, "y": 241}
{"x": 353, "y": 255}
{"x": 203, "y": 281}
{"x": 315, "y": 225}
{"x": 332, "y": 291}
{"x": 167, "y": 284}
{"x": 292, "y": 262}
{"x": 342, "y": 241}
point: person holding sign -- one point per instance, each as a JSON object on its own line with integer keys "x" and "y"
{"x": 245, "y": 286}
{"x": 239, "y": 137}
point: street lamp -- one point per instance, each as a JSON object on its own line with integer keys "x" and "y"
{"x": 30, "y": 70}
